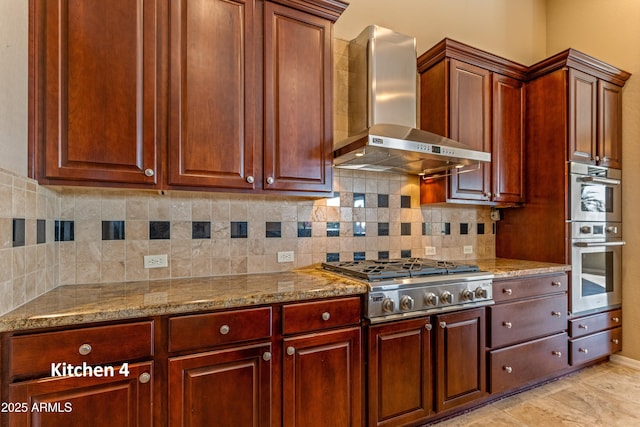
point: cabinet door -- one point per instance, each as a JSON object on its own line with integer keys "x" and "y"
{"x": 96, "y": 85}
{"x": 86, "y": 401}
{"x": 212, "y": 123}
{"x": 507, "y": 154}
{"x": 322, "y": 379}
{"x": 460, "y": 358}
{"x": 400, "y": 380}
{"x": 298, "y": 93}
{"x": 229, "y": 387}
{"x": 609, "y": 125}
{"x": 583, "y": 92}
{"x": 470, "y": 104}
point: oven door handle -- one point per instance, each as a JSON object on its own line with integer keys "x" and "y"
{"x": 600, "y": 180}
{"x": 598, "y": 244}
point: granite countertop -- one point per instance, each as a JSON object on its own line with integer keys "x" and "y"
{"x": 80, "y": 304}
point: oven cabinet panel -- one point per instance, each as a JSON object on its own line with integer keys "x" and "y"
{"x": 510, "y": 290}
{"x": 400, "y": 373}
{"x": 322, "y": 379}
{"x": 515, "y": 366}
{"x": 231, "y": 386}
{"x": 460, "y": 358}
{"x": 86, "y": 401}
{"x": 595, "y": 323}
{"x": 595, "y": 346}
{"x": 523, "y": 320}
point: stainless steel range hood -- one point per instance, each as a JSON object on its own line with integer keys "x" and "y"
{"x": 383, "y": 135}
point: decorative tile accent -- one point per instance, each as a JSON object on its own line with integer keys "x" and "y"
{"x": 112, "y": 230}
{"x": 239, "y": 230}
{"x": 41, "y": 231}
{"x": 359, "y": 229}
{"x": 405, "y": 229}
{"x": 273, "y": 229}
{"x": 383, "y": 229}
{"x": 405, "y": 253}
{"x": 18, "y": 232}
{"x": 383, "y": 254}
{"x": 333, "y": 257}
{"x": 64, "y": 231}
{"x": 464, "y": 228}
{"x": 383, "y": 200}
{"x": 304, "y": 229}
{"x": 480, "y": 228}
{"x": 426, "y": 229}
{"x": 335, "y": 200}
{"x": 405, "y": 202}
{"x": 159, "y": 230}
{"x": 358, "y": 200}
{"x": 446, "y": 228}
{"x": 359, "y": 256}
{"x": 333, "y": 229}
{"x": 201, "y": 229}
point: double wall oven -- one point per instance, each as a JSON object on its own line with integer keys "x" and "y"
{"x": 596, "y": 237}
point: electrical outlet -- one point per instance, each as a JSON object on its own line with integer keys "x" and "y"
{"x": 429, "y": 250}
{"x": 467, "y": 249}
{"x": 156, "y": 261}
{"x": 286, "y": 256}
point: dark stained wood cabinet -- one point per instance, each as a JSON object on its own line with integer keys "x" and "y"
{"x": 94, "y": 88}
{"x": 478, "y": 99}
{"x": 527, "y": 338}
{"x": 400, "y": 379}
{"x": 595, "y": 336}
{"x": 188, "y": 94}
{"x": 460, "y": 358}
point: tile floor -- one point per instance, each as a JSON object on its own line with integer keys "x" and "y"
{"x": 607, "y": 394}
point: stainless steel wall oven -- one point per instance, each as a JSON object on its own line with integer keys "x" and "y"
{"x": 596, "y": 238}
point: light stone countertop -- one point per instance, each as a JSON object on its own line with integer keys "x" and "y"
{"x": 81, "y": 304}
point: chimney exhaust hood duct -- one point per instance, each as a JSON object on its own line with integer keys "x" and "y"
{"x": 382, "y": 112}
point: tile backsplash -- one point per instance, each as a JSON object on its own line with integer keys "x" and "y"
{"x": 67, "y": 236}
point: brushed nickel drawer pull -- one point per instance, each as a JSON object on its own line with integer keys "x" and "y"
{"x": 428, "y": 326}
{"x": 556, "y": 284}
{"x": 507, "y": 369}
{"x": 557, "y": 353}
{"x": 507, "y": 325}
{"x": 507, "y": 291}
{"x": 615, "y": 341}
{"x": 615, "y": 319}
{"x": 585, "y": 327}
{"x": 583, "y": 350}
{"x": 291, "y": 351}
{"x": 266, "y": 356}
{"x": 326, "y": 315}
{"x": 224, "y": 329}
{"x": 85, "y": 349}
{"x": 144, "y": 377}
{"x": 556, "y": 313}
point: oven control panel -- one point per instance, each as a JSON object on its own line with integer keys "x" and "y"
{"x": 596, "y": 230}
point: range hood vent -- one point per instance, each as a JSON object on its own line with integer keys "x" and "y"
{"x": 382, "y": 112}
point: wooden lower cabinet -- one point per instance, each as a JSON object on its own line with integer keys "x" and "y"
{"x": 322, "y": 379}
{"x": 520, "y": 364}
{"x": 231, "y": 387}
{"x": 400, "y": 379}
{"x": 86, "y": 401}
{"x": 460, "y": 358}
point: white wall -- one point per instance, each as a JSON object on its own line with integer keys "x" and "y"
{"x": 13, "y": 85}
{"x": 609, "y": 30}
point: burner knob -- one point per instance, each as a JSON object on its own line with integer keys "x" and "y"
{"x": 406, "y": 303}
{"x": 467, "y": 295}
{"x": 481, "y": 292}
{"x": 431, "y": 299}
{"x": 446, "y": 297}
{"x": 387, "y": 305}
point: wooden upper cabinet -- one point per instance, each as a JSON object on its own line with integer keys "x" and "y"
{"x": 583, "y": 106}
{"x": 298, "y": 97}
{"x": 212, "y": 123}
{"x": 610, "y": 125}
{"x": 93, "y": 91}
{"x": 476, "y": 98}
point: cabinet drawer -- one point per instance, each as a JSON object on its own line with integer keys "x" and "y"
{"x": 515, "y": 366}
{"x": 310, "y": 316}
{"x": 211, "y": 329}
{"x": 31, "y": 354}
{"x": 522, "y": 320}
{"x": 596, "y": 346}
{"x": 509, "y": 290}
{"x": 595, "y": 323}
